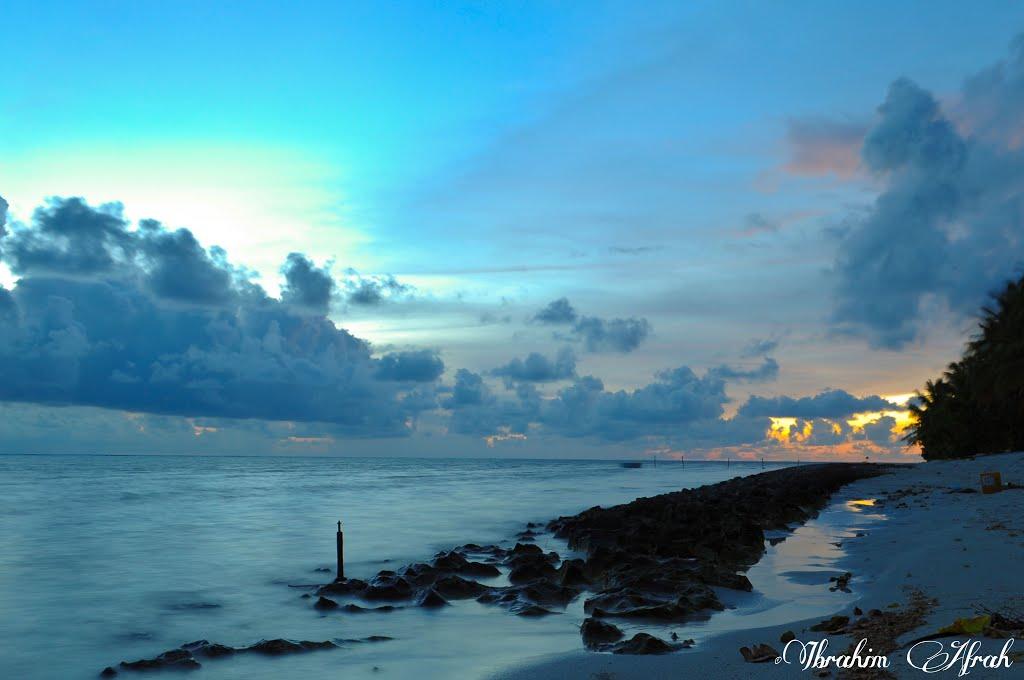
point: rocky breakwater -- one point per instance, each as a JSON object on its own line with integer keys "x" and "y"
{"x": 659, "y": 558}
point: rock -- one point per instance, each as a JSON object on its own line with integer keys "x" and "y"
{"x": 178, "y": 659}
{"x": 356, "y": 609}
{"x": 759, "y": 653}
{"x": 572, "y": 573}
{"x": 480, "y": 569}
{"x": 430, "y": 598}
{"x": 323, "y": 604}
{"x": 788, "y": 636}
{"x": 531, "y": 571}
{"x": 833, "y": 625}
{"x": 596, "y": 633}
{"x": 857, "y": 611}
{"x": 457, "y": 588}
{"x": 387, "y": 585}
{"x": 642, "y": 643}
{"x": 348, "y": 586}
{"x": 280, "y": 646}
{"x": 108, "y": 672}
{"x": 531, "y": 610}
{"x": 688, "y": 643}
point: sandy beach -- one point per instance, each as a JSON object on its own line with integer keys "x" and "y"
{"x": 957, "y": 547}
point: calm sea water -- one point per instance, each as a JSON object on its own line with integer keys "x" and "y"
{"x": 107, "y": 558}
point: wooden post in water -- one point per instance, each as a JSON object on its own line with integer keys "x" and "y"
{"x": 341, "y": 553}
{"x": 762, "y": 462}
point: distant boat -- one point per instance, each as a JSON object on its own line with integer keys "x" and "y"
{"x": 632, "y": 464}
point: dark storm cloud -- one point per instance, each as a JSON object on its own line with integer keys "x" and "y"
{"x": 949, "y": 225}
{"x": 306, "y": 285}
{"x": 596, "y": 334}
{"x": 368, "y": 291}
{"x": 611, "y": 335}
{"x": 827, "y": 404}
{"x": 539, "y": 368}
{"x": 675, "y": 401}
{"x": 768, "y": 370}
{"x": 558, "y": 311}
{"x": 414, "y": 366}
{"x": 147, "y": 320}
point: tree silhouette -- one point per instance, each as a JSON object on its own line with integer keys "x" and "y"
{"x": 977, "y": 406}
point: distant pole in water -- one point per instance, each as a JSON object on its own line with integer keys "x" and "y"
{"x": 682, "y": 459}
{"x": 341, "y": 553}
{"x": 762, "y": 462}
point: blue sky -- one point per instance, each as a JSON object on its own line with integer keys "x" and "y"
{"x": 709, "y": 175}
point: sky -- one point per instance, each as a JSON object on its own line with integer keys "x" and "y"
{"x": 530, "y": 229}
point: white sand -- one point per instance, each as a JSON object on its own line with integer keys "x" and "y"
{"x": 942, "y": 543}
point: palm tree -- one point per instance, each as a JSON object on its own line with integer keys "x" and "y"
{"x": 977, "y": 406}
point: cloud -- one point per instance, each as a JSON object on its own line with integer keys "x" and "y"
{"x": 949, "y": 225}
{"x": 413, "y": 366}
{"x": 821, "y": 146}
{"x": 759, "y": 347}
{"x": 369, "y": 291}
{"x": 768, "y": 370}
{"x": 827, "y": 404}
{"x": 305, "y": 285}
{"x": 611, "y": 335}
{"x": 146, "y": 320}
{"x": 539, "y": 368}
{"x": 596, "y": 334}
{"x": 558, "y": 311}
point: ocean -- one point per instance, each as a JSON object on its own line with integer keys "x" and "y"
{"x": 110, "y": 558}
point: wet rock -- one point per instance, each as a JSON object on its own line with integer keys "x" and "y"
{"x": 356, "y": 609}
{"x": 430, "y": 598}
{"x": 597, "y": 633}
{"x": 638, "y": 604}
{"x": 531, "y": 570}
{"x": 762, "y": 653}
{"x": 177, "y": 659}
{"x": 530, "y": 610}
{"x": 324, "y": 603}
{"x": 642, "y": 643}
{"x": 453, "y": 561}
{"x": 387, "y": 585}
{"x": 835, "y": 624}
{"x": 347, "y": 586}
{"x": 841, "y": 582}
{"x": 457, "y": 588}
{"x": 572, "y": 573}
{"x": 788, "y": 636}
{"x": 108, "y": 672}
{"x": 281, "y": 646}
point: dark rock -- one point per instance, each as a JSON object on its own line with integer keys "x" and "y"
{"x": 178, "y": 659}
{"x": 457, "y": 588}
{"x": 348, "y": 586}
{"x": 597, "y": 633}
{"x": 857, "y": 611}
{"x": 108, "y": 672}
{"x": 387, "y": 585}
{"x": 834, "y": 625}
{"x": 356, "y": 609}
{"x": 530, "y": 571}
{"x": 788, "y": 636}
{"x": 759, "y": 653}
{"x": 280, "y": 646}
{"x": 430, "y": 598}
{"x": 530, "y": 610}
{"x": 323, "y": 603}
{"x": 572, "y": 573}
{"x": 642, "y": 643}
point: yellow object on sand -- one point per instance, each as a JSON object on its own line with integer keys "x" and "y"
{"x": 967, "y": 626}
{"x": 991, "y": 482}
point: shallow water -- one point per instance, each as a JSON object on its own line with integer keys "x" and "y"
{"x": 108, "y": 558}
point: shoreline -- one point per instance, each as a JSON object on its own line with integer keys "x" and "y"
{"x": 957, "y": 547}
